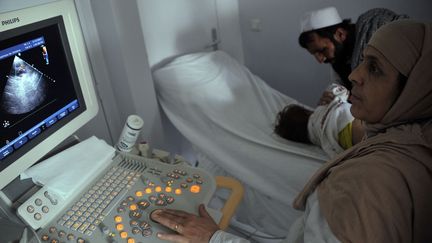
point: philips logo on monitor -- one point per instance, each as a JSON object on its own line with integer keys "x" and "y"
{"x": 10, "y": 21}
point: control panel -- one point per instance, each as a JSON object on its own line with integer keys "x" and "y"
{"x": 116, "y": 206}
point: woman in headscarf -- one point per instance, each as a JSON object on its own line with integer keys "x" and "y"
{"x": 380, "y": 189}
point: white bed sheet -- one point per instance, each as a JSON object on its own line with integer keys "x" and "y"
{"x": 228, "y": 114}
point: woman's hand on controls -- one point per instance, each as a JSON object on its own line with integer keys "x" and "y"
{"x": 190, "y": 228}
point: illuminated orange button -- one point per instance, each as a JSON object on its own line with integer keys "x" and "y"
{"x": 168, "y": 189}
{"x": 178, "y": 191}
{"x": 195, "y": 189}
{"x": 133, "y": 207}
{"x": 118, "y": 219}
{"x": 120, "y": 227}
{"x": 138, "y": 193}
{"x": 130, "y": 240}
{"x": 123, "y": 234}
{"x": 148, "y": 190}
{"x": 158, "y": 189}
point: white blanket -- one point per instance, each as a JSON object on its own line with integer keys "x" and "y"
{"x": 228, "y": 114}
{"x": 327, "y": 121}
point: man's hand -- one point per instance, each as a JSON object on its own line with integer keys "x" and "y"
{"x": 190, "y": 228}
{"x": 326, "y": 97}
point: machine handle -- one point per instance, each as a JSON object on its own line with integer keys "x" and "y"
{"x": 233, "y": 201}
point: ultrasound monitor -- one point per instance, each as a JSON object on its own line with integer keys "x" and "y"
{"x": 46, "y": 87}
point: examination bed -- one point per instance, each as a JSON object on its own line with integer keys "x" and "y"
{"x": 227, "y": 114}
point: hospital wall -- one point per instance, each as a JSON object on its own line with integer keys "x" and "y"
{"x": 185, "y": 27}
{"x": 274, "y": 54}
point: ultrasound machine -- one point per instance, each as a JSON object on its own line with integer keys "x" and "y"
{"x": 47, "y": 93}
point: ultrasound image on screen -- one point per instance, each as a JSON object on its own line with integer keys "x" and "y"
{"x": 37, "y": 81}
{"x": 25, "y": 88}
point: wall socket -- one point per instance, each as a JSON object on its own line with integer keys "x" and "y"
{"x": 256, "y": 25}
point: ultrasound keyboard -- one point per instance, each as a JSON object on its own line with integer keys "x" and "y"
{"x": 115, "y": 207}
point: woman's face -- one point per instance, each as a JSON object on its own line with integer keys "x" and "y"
{"x": 375, "y": 87}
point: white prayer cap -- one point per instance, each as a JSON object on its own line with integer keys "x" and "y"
{"x": 320, "y": 18}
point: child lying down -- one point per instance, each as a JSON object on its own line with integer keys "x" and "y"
{"x": 331, "y": 126}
